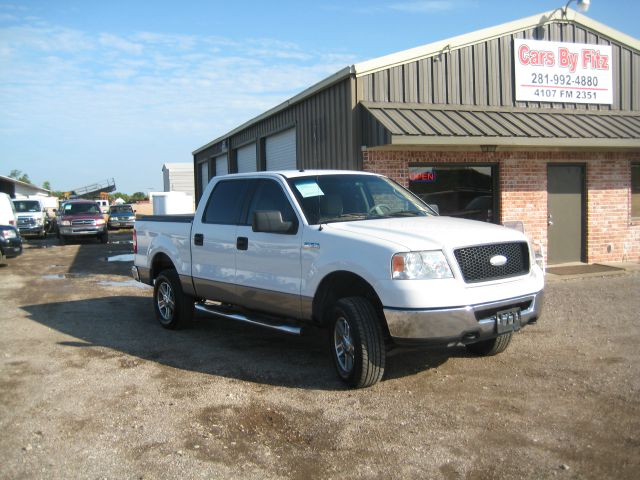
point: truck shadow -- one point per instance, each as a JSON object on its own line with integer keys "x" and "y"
{"x": 211, "y": 346}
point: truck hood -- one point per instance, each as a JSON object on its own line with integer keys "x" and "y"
{"x": 430, "y": 233}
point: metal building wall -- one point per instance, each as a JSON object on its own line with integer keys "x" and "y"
{"x": 482, "y": 74}
{"x": 324, "y": 132}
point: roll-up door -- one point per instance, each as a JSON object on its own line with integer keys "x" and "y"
{"x": 222, "y": 166}
{"x": 246, "y": 157}
{"x": 204, "y": 175}
{"x": 281, "y": 151}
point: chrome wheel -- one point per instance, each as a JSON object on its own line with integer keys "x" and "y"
{"x": 166, "y": 302}
{"x": 343, "y": 345}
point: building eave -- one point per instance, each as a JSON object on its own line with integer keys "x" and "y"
{"x": 462, "y": 41}
{"x": 346, "y": 72}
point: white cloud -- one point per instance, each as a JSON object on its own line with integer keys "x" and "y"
{"x": 94, "y": 94}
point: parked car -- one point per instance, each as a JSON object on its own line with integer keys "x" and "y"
{"x": 81, "y": 218}
{"x": 121, "y": 216}
{"x": 10, "y": 242}
{"x": 349, "y": 251}
{"x": 32, "y": 218}
{"x": 7, "y": 210}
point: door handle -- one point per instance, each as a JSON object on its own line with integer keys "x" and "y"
{"x": 550, "y": 220}
{"x": 242, "y": 243}
{"x": 198, "y": 239}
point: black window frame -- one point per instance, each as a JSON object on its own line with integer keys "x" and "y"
{"x": 495, "y": 181}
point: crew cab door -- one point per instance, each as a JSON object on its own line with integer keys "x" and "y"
{"x": 214, "y": 241}
{"x": 268, "y": 267}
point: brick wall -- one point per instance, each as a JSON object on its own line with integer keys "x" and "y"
{"x": 611, "y": 235}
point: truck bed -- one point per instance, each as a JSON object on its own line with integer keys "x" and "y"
{"x": 179, "y": 218}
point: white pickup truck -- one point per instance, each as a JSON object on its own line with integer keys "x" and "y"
{"x": 350, "y": 251}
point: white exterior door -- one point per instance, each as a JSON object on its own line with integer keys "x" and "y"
{"x": 246, "y": 157}
{"x": 281, "y": 150}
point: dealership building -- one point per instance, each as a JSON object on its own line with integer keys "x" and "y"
{"x": 535, "y": 123}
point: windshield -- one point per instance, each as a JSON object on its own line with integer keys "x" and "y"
{"x": 23, "y": 206}
{"x": 80, "y": 208}
{"x": 343, "y": 198}
{"x": 121, "y": 209}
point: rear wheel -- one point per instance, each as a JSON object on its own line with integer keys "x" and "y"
{"x": 487, "y": 348}
{"x": 173, "y": 308}
{"x": 357, "y": 342}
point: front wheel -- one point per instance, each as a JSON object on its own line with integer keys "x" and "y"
{"x": 487, "y": 348}
{"x": 173, "y": 308}
{"x": 357, "y": 342}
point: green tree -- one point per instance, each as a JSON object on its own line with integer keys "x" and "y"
{"x": 21, "y": 177}
{"x": 138, "y": 196}
{"x": 46, "y": 185}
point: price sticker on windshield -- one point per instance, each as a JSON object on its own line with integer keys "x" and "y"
{"x": 563, "y": 72}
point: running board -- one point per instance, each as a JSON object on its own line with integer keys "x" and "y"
{"x": 260, "y": 321}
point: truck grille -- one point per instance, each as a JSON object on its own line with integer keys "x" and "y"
{"x": 82, "y": 222}
{"x": 475, "y": 262}
{"x": 26, "y": 222}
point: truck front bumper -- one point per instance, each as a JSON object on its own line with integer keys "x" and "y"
{"x": 82, "y": 231}
{"x": 465, "y": 324}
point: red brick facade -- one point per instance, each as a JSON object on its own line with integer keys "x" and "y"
{"x": 611, "y": 233}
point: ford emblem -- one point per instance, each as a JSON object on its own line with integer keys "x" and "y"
{"x": 498, "y": 260}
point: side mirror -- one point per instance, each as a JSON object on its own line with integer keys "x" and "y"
{"x": 270, "y": 221}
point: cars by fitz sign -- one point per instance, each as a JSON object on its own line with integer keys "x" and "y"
{"x": 563, "y": 72}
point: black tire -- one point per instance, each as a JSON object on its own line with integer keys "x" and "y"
{"x": 61, "y": 239}
{"x": 487, "y": 348}
{"x": 103, "y": 237}
{"x": 357, "y": 342}
{"x": 173, "y": 308}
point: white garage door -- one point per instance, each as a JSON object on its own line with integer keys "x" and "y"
{"x": 247, "y": 158}
{"x": 204, "y": 175}
{"x": 222, "y": 166}
{"x": 281, "y": 151}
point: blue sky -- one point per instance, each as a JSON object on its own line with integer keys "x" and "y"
{"x": 91, "y": 90}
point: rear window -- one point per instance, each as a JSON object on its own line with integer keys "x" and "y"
{"x": 225, "y": 203}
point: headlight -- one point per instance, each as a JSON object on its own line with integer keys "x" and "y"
{"x": 39, "y": 221}
{"x": 420, "y": 266}
{"x": 99, "y": 222}
{"x": 65, "y": 223}
{"x": 7, "y": 234}
{"x": 538, "y": 254}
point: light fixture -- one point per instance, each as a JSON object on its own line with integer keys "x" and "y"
{"x": 583, "y": 6}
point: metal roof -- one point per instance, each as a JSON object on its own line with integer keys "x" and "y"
{"x": 461, "y": 41}
{"x": 419, "y": 124}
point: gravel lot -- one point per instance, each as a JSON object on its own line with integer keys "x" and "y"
{"x": 91, "y": 387}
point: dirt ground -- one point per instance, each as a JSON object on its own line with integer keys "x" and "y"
{"x": 92, "y": 387}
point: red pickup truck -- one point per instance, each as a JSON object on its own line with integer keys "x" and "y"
{"x": 81, "y": 218}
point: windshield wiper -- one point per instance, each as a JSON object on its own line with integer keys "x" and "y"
{"x": 406, "y": 213}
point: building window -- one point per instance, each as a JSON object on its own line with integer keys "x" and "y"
{"x": 635, "y": 190}
{"x": 465, "y": 191}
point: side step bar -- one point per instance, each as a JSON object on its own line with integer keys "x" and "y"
{"x": 254, "y": 320}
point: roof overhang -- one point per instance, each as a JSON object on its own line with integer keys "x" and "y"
{"x": 326, "y": 83}
{"x": 467, "y": 126}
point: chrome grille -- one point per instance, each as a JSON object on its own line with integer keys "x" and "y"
{"x": 475, "y": 262}
{"x": 26, "y": 222}
{"x": 82, "y": 222}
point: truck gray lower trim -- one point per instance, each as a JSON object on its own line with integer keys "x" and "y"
{"x": 449, "y": 323}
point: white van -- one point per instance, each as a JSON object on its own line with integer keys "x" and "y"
{"x": 7, "y": 211}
